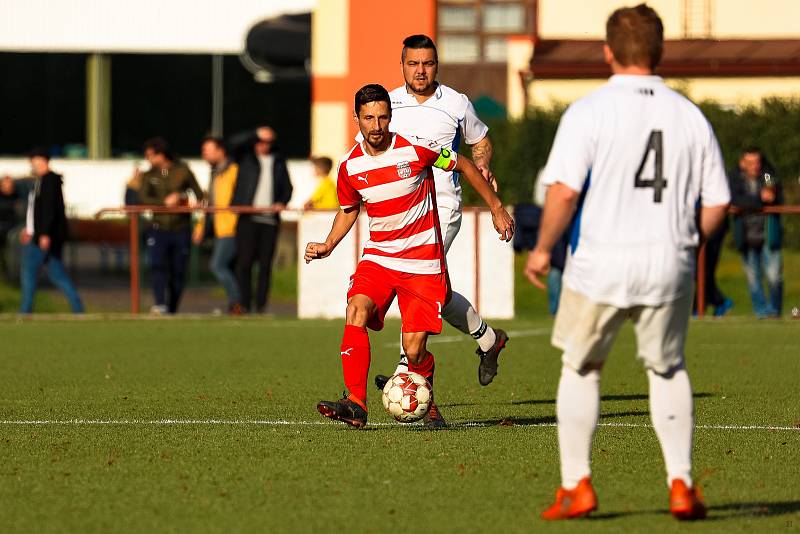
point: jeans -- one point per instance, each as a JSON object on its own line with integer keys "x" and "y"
{"x": 758, "y": 262}
{"x": 221, "y": 259}
{"x": 32, "y": 259}
{"x": 255, "y": 242}
{"x": 553, "y": 289}
{"x": 169, "y": 255}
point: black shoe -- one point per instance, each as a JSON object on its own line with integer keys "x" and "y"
{"x": 344, "y": 410}
{"x": 487, "y": 369}
{"x": 433, "y": 419}
{"x": 381, "y": 381}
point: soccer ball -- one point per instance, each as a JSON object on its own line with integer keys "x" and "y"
{"x": 407, "y": 397}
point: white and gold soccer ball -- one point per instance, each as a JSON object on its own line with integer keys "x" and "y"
{"x": 407, "y": 397}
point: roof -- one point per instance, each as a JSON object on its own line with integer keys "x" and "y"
{"x": 573, "y": 58}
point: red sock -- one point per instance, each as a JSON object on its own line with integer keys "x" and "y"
{"x": 425, "y": 368}
{"x": 355, "y": 362}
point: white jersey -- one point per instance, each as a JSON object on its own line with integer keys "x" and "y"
{"x": 442, "y": 121}
{"x": 642, "y": 156}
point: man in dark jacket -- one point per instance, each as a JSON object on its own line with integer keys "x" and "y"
{"x": 44, "y": 234}
{"x": 757, "y": 235}
{"x": 263, "y": 181}
{"x": 169, "y": 241}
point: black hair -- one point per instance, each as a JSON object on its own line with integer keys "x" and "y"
{"x": 39, "y": 152}
{"x": 416, "y": 42}
{"x": 752, "y": 149}
{"x": 371, "y": 93}
{"x": 216, "y": 140}
{"x": 159, "y": 145}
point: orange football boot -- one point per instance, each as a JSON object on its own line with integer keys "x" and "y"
{"x": 570, "y": 504}
{"x": 686, "y": 503}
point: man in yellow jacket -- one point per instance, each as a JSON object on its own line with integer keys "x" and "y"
{"x": 221, "y": 225}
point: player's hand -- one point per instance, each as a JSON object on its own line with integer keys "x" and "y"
{"x": 503, "y": 223}
{"x": 487, "y": 174}
{"x": 44, "y": 242}
{"x": 317, "y": 251}
{"x": 538, "y": 264}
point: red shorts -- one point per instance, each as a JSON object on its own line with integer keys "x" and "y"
{"x": 420, "y": 296}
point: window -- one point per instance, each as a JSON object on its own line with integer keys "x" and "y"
{"x": 473, "y": 31}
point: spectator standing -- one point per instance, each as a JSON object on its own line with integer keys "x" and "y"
{"x": 44, "y": 234}
{"x": 9, "y": 195}
{"x": 324, "y": 196}
{"x": 221, "y": 225}
{"x": 758, "y": 236}
{"x": 263, "y": 182}
{"x": 167, "y": 183}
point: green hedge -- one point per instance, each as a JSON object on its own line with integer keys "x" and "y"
{"x": 521, "y": 148}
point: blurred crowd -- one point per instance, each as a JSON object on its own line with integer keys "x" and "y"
{"x": 248, "y": 170}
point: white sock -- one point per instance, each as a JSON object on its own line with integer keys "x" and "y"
{"x": 577, "y": 410}
{"x": 672, "y": 413}
{"x": 462, "y": 315}
{"x": 402, "y": 365}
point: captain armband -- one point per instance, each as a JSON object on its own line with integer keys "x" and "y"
{"x": 446, "y": 160}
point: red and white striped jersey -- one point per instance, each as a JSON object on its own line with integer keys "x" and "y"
{"x": 398, "y": 191}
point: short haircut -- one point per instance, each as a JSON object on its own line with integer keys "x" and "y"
{"x": 323, "y": 163}
{"x": 416, "y": 42}
{"x": 752, "y": 149}
{"x": 216, "y": 140}
{"x": 635, "y": 36}
{"x": 39, "y": 152}
{"x": 371, "y": 93}
{"x": 159, "y": 145}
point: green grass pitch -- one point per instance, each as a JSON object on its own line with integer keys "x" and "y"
{"x": 247, "y": 451}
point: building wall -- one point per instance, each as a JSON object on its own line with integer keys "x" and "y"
{"x": 355, "y": 43}
{"x": 580, "y": 19}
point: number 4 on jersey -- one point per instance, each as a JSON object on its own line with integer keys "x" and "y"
{"x": 658, "y": 182}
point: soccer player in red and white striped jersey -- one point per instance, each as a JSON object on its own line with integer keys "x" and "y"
{"x": 404, "y": 256}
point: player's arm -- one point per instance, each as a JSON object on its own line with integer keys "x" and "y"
{"x": 559, "y": 206}
{"x": 503, "y": 222}
{"x": 342, "y": 223}
{"x": 482, "y": 152}
{"x": 711, "y": 219}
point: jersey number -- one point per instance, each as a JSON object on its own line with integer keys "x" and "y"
{"x": 658, "y": 182}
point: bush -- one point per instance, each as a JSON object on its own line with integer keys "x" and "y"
{"x": 521, "y": 148}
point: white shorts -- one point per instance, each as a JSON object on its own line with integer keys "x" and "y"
{"x": 585, "y": 331}
{"x": 450, "y": 224}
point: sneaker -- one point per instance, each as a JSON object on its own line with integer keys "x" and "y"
{"x": 236, "y": 309}
{"x": 381, "y": 381}
{"x": 686, "y": 503}
{"x": 574, "y": 503}
{"x": 723, "y": 308}
{"x": 433, "y": 419}
{"x": 158, "y": 309}
{"x": 487, "y": 369}
{"x": 345, "y": 410}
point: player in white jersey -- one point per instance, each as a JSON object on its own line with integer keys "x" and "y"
{"x": 436, "y": 116}
{"x": 628, "y": 166}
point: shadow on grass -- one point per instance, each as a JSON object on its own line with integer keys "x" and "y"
{"x": 722, "y": 512}
{"x": 531, "y": 402}
{"x": 534, "y": 421}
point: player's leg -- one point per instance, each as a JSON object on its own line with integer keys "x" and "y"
{"x": 420, "y": 298}
{"x": 461, "y": 314}
{"x": 585, "y": 331}
{"x": 660, "y": 338}
{"x": 368, "y": 300}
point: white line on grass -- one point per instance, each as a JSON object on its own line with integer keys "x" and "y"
{"x": 283, "y": 422}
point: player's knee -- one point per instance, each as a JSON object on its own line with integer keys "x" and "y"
{"x": 358, "y": 313}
